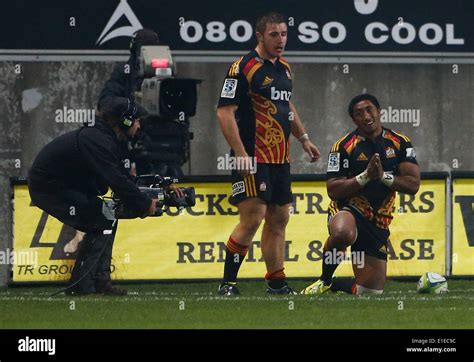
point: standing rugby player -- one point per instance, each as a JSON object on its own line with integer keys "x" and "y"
{"x": 257, "y": 116}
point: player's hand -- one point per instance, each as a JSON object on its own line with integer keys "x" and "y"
{"x": 245, "y": 166}
{"x": 374, "y": 168}
{"x": 133, "y": 170}
{"x": 152, "y": 209}
{"x": 378, "y": 167}
{"x": 176, "y": 190}
{"x": 311, "y": 150}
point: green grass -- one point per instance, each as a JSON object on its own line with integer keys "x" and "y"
{"x": 161, "y": 306}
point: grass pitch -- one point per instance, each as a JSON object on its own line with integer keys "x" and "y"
{"x": 197, "y": 306}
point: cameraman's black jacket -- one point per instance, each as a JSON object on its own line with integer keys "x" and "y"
{"x": 86, "y": 160}
{"x": 120, "y": 83}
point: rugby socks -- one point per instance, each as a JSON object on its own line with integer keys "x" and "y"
{"x": 346, "y": 285}
{"x": 328, "y": 271}
{"x": 276, "y": 279}
{"x": 330, "y": 263}
{"x": 234, "y": 256}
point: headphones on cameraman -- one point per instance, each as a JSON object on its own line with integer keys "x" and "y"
{"x": 126, "y": 120}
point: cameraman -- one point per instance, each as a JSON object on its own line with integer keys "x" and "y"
{"x": 125, "y": 80}
{"x": 70, "y": 173}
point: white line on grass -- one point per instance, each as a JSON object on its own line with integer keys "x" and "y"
{"x": 347, "y": 298}
{"x": 184, "y": 294}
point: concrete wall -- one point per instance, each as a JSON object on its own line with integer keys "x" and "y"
{"x": 321, "y": 93}
{"x": 30, "y": 97}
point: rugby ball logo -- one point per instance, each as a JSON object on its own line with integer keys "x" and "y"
{"x": 432, "y": 283}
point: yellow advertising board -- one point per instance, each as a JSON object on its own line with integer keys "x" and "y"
{"x": 463, "y": 227}
{"x": 418, "y": 231}
{"x": 191, "y": 245}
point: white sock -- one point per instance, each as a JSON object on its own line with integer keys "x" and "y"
{"x": 363, "y": 290}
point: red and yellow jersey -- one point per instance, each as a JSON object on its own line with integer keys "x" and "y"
{"x": 350, "y": 156}
{"x": 262, "y": 91}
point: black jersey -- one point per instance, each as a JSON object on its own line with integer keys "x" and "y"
{"x": 350, "y": 156}
{"x": 262, "y": 90}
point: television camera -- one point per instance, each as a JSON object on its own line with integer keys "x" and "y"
{"x": 164, "y": 142}
{"x": 154, "y": 187}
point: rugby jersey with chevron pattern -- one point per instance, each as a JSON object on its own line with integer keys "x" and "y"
{"x": 350, "y": 156}
{"x": 262, "y": 91}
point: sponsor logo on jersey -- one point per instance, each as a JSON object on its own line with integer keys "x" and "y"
{"x": 362, "y": 157}
{"x": 411, "y": 153}
{"x": 334, "y": 162}
{"x": 263, "y": 186}
{"x": 267, "y": 81}
{"x": 238, "y": 188}
{"x": 229, "y": 88}
{"x": 277, "y": 95}
{"x": 390, "y": 152}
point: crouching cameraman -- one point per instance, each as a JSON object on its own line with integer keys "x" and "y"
{"x": 70, "y": 173}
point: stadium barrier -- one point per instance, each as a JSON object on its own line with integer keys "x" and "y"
{"x": 191, "y": 244}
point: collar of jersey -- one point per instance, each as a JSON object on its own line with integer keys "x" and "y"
{"x": 256, "y": 55}
{"x": 364, "y": 138}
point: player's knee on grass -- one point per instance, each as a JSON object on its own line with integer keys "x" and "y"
{"x": 371, "y": 276}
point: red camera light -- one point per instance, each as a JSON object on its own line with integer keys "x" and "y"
{"x": 159, "y": 63}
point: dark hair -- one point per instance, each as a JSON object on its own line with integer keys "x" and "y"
{"x": 360, "y": 98}
{"x": 110, "y": 119}
{"x": 272, "y": 18}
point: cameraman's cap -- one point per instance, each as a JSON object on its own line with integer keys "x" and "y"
{"x": 146, "y": 37}
{"x": 143, "y": 37}
{"x": 122, "y": 107}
